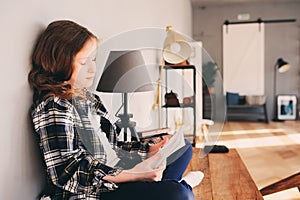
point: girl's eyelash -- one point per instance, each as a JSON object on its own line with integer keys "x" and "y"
{"x": 84, "y": 63}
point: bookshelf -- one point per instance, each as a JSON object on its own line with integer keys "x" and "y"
{"x": 170, "y": 84}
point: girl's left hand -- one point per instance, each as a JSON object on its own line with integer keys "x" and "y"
{"x": 154, "y": 148}
{"x": 145, "y": 172}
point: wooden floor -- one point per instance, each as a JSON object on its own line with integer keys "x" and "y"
{"x": 270, "y": 151}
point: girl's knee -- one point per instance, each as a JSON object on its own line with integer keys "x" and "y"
{"x": 182, "y": 192}
{"x": 187, "y": 195}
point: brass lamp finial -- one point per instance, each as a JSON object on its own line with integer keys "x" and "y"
{"x": 168, "y": 28}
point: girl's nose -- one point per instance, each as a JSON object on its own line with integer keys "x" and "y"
{"x": 91, "y": 66}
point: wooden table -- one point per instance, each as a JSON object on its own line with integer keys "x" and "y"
{"x": 225, "y": 177}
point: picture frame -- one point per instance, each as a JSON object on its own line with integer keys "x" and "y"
{"x": 286, "y": 107}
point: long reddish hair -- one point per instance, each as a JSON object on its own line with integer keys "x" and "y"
{"x": 52, "y": 59}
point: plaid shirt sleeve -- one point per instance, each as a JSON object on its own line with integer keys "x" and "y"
{"x": 69, "y": 165}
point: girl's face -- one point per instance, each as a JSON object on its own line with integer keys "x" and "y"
{"x": 85, "y": 65}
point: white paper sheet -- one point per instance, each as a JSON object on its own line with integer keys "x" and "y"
{"x": 175, "y": 143}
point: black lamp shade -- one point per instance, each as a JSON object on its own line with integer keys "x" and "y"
{"x": 282, "y": 65}
{"x": 125, "y": 72}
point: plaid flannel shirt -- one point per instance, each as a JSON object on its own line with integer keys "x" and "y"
{"x": 72, "y": 155}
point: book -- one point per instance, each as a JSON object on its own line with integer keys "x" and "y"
{"x": 154, "y": 132}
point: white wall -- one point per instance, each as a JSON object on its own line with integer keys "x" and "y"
{"x": 20, "y": 169}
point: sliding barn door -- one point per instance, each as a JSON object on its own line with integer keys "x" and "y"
{"x": 243, "y": 58}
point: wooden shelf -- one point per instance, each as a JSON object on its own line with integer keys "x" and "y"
{"x": 180, "y": 106}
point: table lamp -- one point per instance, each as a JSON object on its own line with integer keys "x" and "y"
{"x": 125, "y": 72}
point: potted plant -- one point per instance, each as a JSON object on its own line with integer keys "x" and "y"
{"x": 209, "y": 72}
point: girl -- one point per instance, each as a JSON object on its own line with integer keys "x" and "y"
{"x": 74, "y": 155}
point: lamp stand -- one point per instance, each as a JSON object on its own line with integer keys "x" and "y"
{"x": 275, "y": 109}
{"x": 125, "y": 122}
{"x": 158, "y": 95}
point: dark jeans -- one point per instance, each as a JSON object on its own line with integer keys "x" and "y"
{"x": 170, "y": 187}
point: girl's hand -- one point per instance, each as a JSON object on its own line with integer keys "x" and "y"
{"x": 144, "y": 172}
{"x": 141, "y": 172}
{"x": 154, "y": 148}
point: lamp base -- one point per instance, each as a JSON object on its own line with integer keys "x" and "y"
{"x": 126, "y": 124}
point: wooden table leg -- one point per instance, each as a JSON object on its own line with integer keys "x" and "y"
{"x": 284, "y": 184}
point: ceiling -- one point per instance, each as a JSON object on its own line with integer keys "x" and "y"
{"x": 227, "y": 2}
